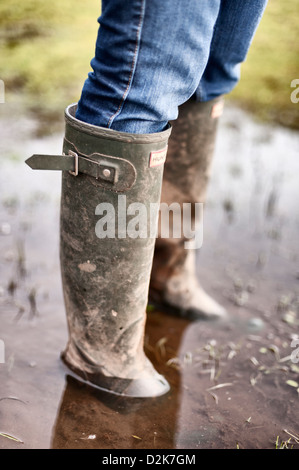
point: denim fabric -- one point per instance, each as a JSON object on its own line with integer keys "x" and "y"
{"x": 153, "y": 55}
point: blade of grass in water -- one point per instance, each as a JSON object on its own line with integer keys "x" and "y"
{"x": 8, "y": 436}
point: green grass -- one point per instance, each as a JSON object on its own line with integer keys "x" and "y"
{"x": 271, "y": 65}
{"x": 46, "y": 48}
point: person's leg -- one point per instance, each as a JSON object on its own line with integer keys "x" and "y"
{"x": 174, "y": 285}
{"x": 149, "y": 58}
{"x": 149, "y": 55}
{"x": 233, "y": 34}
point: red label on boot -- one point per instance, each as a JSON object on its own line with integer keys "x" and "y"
{"x": 157, "y": 158}
{"x": 217, "y": 110}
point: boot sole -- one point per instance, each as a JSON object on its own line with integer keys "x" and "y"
{"x": 134, "y": 388}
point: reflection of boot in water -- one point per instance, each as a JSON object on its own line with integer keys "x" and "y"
{"x": 174, "y": 286}
{"x": 105, "y": 280}
{"x": 90, "y": 418}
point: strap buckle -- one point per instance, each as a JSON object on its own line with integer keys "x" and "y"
{"x": 76, "y": 170}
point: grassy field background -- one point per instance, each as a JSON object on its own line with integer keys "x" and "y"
{"x": 46, "y": 48}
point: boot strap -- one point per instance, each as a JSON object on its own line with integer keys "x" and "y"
{"x": 115, "y": 173}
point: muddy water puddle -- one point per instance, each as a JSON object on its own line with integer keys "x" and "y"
{"x": 233, "y": 383}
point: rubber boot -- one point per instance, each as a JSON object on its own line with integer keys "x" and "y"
{"x": 106, "y": 277}
{"x": 174, "y": 286}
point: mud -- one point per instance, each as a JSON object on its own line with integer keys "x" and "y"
{"x": 233, "y": 383}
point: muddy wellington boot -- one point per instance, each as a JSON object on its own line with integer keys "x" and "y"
{"x": 106, "y": 280}
{"x": 174, "y": 286}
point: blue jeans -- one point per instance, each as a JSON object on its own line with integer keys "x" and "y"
{"x": 153, "y": 55}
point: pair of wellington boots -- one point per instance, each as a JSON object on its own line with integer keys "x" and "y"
{"x": 108, "y": 266}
